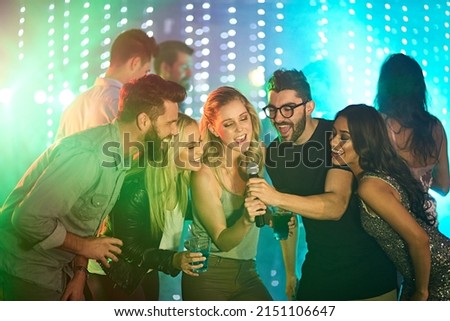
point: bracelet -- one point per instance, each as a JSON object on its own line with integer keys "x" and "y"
{"x": 82, "y": 269}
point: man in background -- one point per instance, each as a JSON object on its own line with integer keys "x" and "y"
{"x": 131, "y": 55}
{"x": 174, "y": 62}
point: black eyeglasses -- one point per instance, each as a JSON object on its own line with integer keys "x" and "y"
{"x": 286, "y": 110}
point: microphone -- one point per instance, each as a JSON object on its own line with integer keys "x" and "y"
{"x": 252, "y": 171}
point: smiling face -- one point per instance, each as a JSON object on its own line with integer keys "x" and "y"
{"x": 166, "y": 124}
{"x": 188, "y": 149}
{"x": 233, "y": 126}
{"x": 292, "y": 128}
{"x": 342, "y": 150}
{"x": 164, "y": 127}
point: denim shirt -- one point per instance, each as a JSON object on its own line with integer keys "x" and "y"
{"x": 67, "y": 189}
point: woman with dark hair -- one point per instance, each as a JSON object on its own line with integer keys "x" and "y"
{"x": 393, "y": 210}
{"x": 417, "y": 136}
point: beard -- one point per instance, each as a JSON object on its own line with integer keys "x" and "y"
{"x": 297, "y": 129}
{"x": 153, "y": 146}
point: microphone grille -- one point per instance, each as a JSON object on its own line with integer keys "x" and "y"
{"x": 252, "y": 168}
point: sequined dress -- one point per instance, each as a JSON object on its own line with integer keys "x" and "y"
{"x": 397, "y": 250}
{"x": 425, "y": 176}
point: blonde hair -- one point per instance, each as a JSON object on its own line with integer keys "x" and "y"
{"x": 166, "y": 186}
{"x": 214, "y": 154}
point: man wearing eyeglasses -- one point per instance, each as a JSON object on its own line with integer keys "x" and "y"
{"x": 343, "y": 262}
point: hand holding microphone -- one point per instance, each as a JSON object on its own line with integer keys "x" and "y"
{"x": 252, "y": 172}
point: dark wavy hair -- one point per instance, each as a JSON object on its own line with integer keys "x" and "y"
{"x": 402, "y": 96}
{"x": 283, "y": 79}
{"x": 376, "y": 154}
{"x": 147, "y": 95}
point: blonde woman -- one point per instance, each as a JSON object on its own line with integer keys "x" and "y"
{"x": 230, "y": 131}
{"x": 151, "y": 199}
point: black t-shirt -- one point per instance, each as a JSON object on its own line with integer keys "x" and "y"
{"x": 343, "y": 262}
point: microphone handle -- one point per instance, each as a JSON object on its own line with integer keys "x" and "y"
{"x": 259, "y": 220}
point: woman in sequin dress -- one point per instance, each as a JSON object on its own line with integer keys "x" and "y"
{"x": 392, "y": 203}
